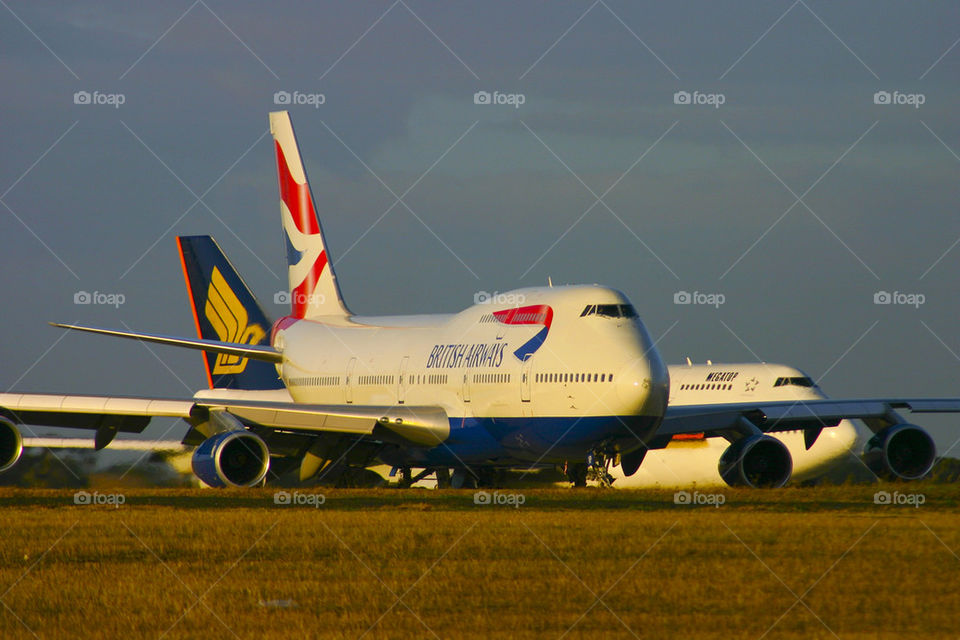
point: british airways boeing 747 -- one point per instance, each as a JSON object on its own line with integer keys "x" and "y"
{"x": 569, "y": 375}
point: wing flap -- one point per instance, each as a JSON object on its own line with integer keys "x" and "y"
{"x": 419, "y": 425}
{"x": 424, "y": 425}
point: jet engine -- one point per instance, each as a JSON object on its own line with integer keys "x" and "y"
{"x": 232, "y": 459}
{"x": 757, "y": 461}
{"x": 11, "y": 444}
{"x": 900, "y": 452}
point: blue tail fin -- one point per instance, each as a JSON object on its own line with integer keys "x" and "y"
{"x": 224, "y": 309}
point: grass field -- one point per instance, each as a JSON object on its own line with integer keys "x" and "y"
{"x": 797, "y": 563}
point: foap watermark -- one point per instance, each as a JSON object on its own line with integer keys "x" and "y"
{"x": 285, "y": 297}
{"x": 99, "y": 297}
{"x": 500, "y": 499}
{"x": 698, "y": 97}
{"x": 100, "y": 98}
{"x": 699, "y": 499}
{"x": 899, "y": 499}
{"x": 99, "y": 499}
{"x": 899, "y": 297}
{"x": 294, "y": 98}
{"x": 485, "y": 297}
{"x": 896, "y": 97}
{"x": 698, "y": 297}
{"x": 496, "y": 97}
{"x": 298, "y": 499}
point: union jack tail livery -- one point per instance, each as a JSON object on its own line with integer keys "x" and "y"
{"x": 313, "y": 286}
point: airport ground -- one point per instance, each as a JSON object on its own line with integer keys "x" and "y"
{"x": 795, "y": 563}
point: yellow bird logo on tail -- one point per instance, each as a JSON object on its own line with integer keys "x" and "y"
{"x": 229, "y": 319}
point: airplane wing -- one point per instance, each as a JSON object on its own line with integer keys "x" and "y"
{"x": 111, "y": 414}
{"x": 897, "y": 449}
{"x": 809, "y": 415}
{"x": 236, "y": 439}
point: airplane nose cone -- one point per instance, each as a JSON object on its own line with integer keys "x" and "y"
{"x": 643, "y": 386}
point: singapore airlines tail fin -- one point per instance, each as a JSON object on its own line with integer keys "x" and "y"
{"x": 313, "y": 286}
{"x": 225, "y": 310}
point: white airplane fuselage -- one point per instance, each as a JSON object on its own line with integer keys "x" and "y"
{"x": 692, "y": 460}
{"x": 538, "y": 379}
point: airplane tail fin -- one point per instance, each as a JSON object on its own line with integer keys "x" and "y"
{"x": 226, "y": 310}
{"x": 313, "y": 286}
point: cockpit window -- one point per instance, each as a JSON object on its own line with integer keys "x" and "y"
{"x": 797, "y": 381}
{"x": 609, "y": 311}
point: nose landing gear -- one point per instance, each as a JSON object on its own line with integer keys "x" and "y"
{"x": 596, "y": 468}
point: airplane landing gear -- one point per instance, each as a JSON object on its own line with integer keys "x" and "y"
{"x": 407, "y": 479}
{"x": 598, "y": 465}
{"x": 443, "y": 478}
{"x": 463, "y": 479}
{"x": 576, "y": 474}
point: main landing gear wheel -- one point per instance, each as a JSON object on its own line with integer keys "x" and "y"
{"x": 443, "y": 478}
{"x": 488, "y": 478}
{"x": 577, "y": 474}
{"x": 463, "y": 479}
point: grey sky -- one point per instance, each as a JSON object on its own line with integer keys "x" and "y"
{"x": 95, "y": 187}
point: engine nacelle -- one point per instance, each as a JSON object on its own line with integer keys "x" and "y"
{"x": 900, "y": 452}
{"x": 232, "y": 459}
{"x": 757, "y": 461}
{"x": 11, "y": 444}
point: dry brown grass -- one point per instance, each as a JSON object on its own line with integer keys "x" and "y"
{"x": 183, "y": 564}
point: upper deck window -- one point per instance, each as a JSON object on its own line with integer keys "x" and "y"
{"x": 609, "y": 311}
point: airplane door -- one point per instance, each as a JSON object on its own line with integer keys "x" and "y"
{"x": 466, "y": 387}
{"x": 348, "y": 385}
{"x": 525, "y": 375}
{"x": 402, "y": 382}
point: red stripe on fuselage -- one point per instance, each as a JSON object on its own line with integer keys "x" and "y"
{"x": 296, "y": 196}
